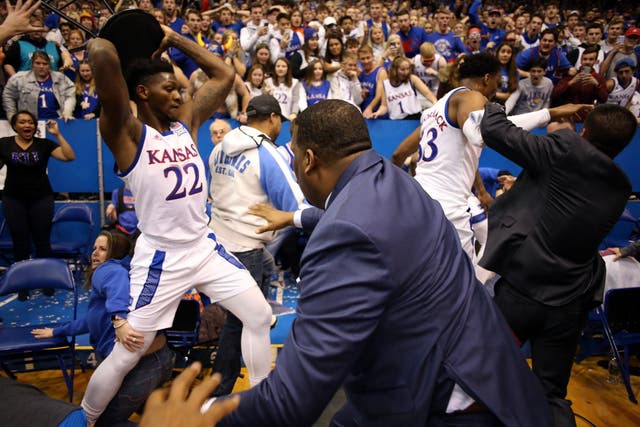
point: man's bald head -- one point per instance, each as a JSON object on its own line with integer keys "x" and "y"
{"x": 218, "y": 129}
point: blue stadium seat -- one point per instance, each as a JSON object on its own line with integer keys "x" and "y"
{"x": 18, "y": 348}
{"x": 71, "y": 232}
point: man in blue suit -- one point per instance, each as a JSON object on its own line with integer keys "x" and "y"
{"x": 389, "y": 306}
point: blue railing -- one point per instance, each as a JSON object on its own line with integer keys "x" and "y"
{"x": 82, "y": 175}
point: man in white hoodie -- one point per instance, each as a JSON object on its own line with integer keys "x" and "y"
{"x": 246, "y": 169}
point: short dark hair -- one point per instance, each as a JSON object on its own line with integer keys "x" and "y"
{"x": 591, "y": 49}
{"x": 536, "y": 15}
{"x": 143, "y": 68}
{"x": 351, "y": 43}
{"x": 479, "y": 65}
{"x": 550, "y": 31}
{"x": 192, "y": 12}
{"x": 333, "y": 129}
{"x": 344, "y": 18}
{"x": 538, "y": 63}
{"x": 402, "y": 12}
{"x": 14, "y": 119}
{"x": 593, "y": 25}
{"x": 610, "y": 128}
{"x": 283, "y": 15}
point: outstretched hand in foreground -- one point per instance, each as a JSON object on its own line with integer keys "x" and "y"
{"x": 18, "y": 19}
{"x": 176, "y": 407}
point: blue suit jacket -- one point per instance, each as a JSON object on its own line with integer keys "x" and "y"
{"x": 389, "y": 308}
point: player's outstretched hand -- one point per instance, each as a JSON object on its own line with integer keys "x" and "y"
{"x": 276, "y": 219}
{"x": 177, "y": 407}
{"x": 578, "y": 111}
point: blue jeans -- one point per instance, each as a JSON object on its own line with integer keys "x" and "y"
{"x": 260, "y": 265}
{"x": 150, "y": 373}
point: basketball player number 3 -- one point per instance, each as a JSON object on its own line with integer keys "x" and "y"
{"x": 432, "y": 134}
{"x": 179, "y": 191}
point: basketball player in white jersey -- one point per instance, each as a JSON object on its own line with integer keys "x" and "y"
{"x": 449, "y": 143}
{"x": 158, "y": 158}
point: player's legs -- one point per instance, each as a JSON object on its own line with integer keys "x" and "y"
{"x": 255, "y": 314}
{"x": 460, "y": 218}
{"x": 227, "y": 361}
{"x": 224, "y": 279}
{"x": 107, "y": 378}
{"x": 151, "y": 372}
{"x": 157, "y": 285}
{"x": 480, "y": 231}
{"x": 479, "y": 222}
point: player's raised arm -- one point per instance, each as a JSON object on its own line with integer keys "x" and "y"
{"x": 212, "y": 94}
{"x": 119, "y": 128}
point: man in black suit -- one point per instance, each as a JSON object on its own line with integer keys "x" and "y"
{"x": 544, "y": 234}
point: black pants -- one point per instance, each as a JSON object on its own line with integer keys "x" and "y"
{"x": 260, "y": 264}
{"x": 29, "y": 219}
{"x": 553, "y": 333}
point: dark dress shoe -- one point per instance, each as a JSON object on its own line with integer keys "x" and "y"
{"x": 49, "y": 291}
{"x": 23, "y": 295}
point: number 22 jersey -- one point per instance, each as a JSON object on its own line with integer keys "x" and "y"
{"x": 447, "y": 161}
{"x": 168, "y": 180}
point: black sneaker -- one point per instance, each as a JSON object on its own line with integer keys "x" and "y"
{"x": 23, "y": 295}
{"x": 49, "y": 291}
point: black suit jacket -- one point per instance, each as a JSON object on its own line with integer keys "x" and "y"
{"x": 544, "y": 233}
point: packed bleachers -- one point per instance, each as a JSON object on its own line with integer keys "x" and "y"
{"x": 392, "y": 60}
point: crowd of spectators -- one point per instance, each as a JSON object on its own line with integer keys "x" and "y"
{"x": 389, "y": 59}
{"x": 551, "y": 53}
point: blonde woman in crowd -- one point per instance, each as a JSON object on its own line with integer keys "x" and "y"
{"x": 376, "y": 41}
{"x": 392, "y": 50}
{"x": 87, "y": 104}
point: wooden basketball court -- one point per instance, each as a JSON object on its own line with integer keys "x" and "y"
{"x": 601, "y": 403}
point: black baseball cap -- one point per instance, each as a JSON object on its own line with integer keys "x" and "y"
{"x": 264, "y": 105}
